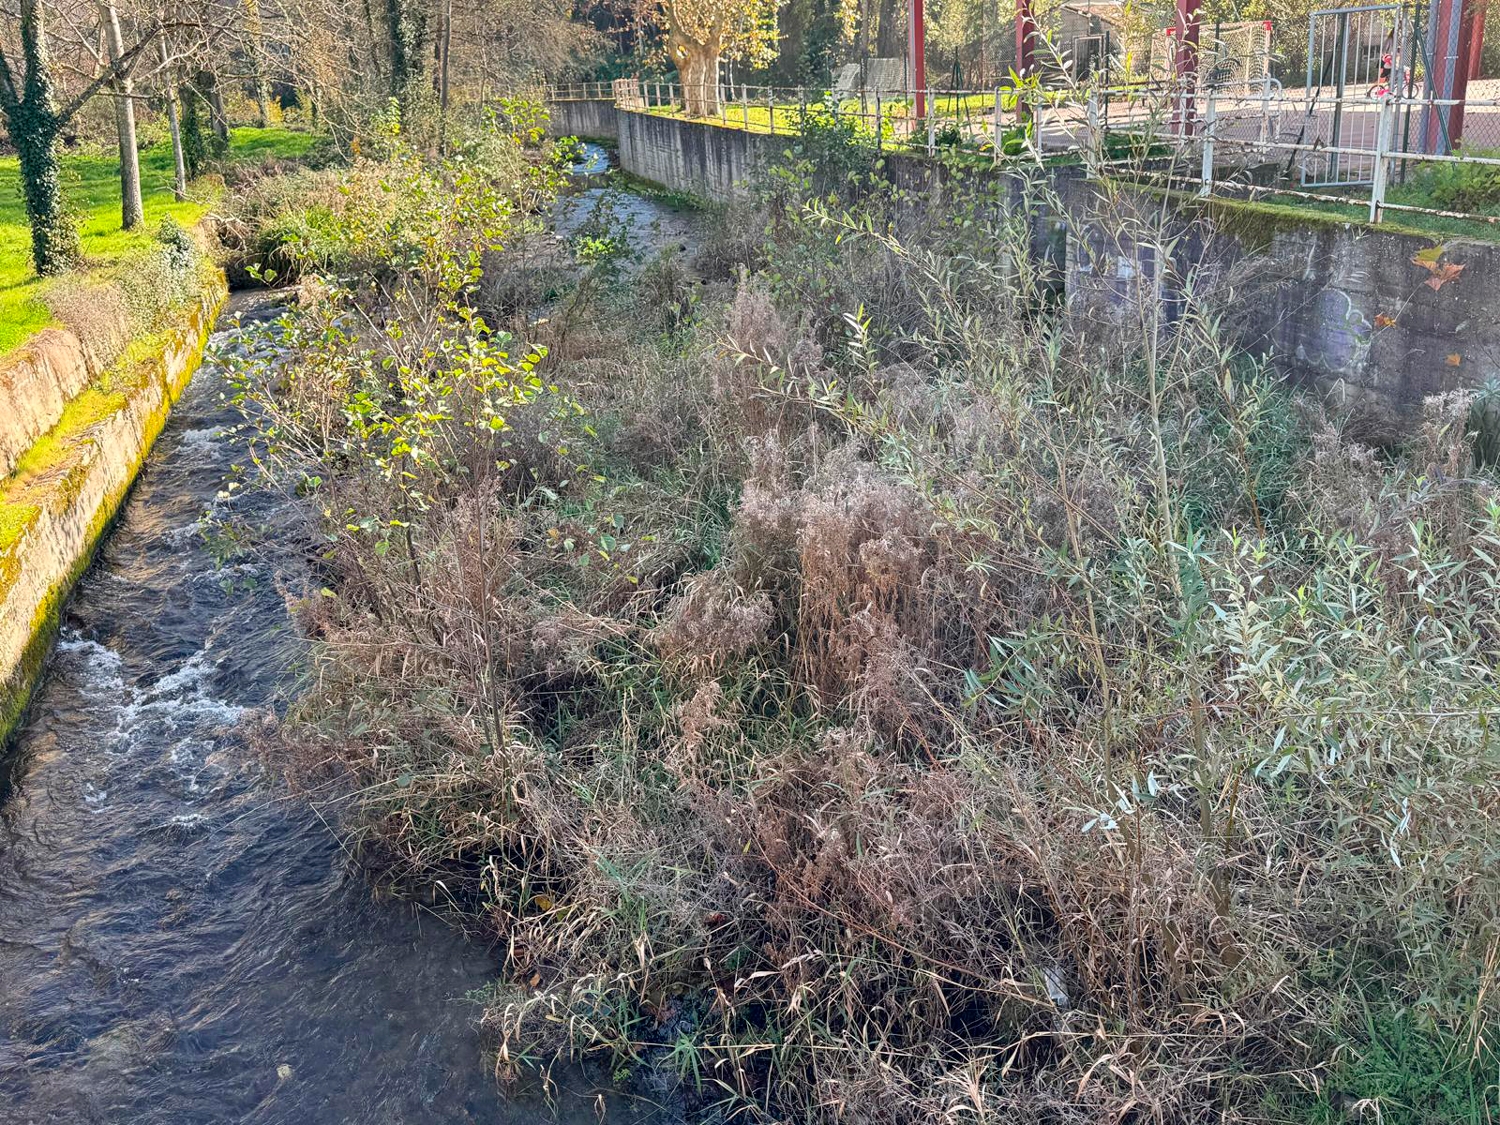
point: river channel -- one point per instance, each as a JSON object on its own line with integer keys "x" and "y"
{"x": 180, "y": 939}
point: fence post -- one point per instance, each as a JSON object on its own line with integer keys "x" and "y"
{"x": 771, "y": 108}
{"x": 745, "y": 103}
{"x": 1382, "y": 160}
{"x": 1265, "y": 111}
{"x": 1096, "y": 134}
{"x": 999, "y": 130}
{"x": 926, "y": 97}
{"x": 1210, "y": 122}
{"x": 879, "y": 125}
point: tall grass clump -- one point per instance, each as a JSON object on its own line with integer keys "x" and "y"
{"x": 878, "y": 693}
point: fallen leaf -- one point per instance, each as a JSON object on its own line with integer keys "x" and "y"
{"x": 1383, "y": 321}
{"x": 1455, "y": 359}
{"x": 1443, "y": 274}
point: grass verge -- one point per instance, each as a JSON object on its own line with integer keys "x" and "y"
{"x": 93, "y": 186}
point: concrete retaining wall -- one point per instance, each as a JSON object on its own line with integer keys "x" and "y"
{"x": 713, "y": 161}
{"x": 36, "y": 381}
{"x": 70, "y": 481}
{"x": 594, "y": 118}
{"x": 1375, "y": 318}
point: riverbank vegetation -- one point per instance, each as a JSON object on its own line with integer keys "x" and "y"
{"x": 845, "y": 685}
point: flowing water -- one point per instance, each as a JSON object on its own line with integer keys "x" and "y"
{"x": 180, "y": 941}
{"x": 648, "y": 226}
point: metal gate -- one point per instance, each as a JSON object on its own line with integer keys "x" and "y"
{"x": 1353, "y": 59}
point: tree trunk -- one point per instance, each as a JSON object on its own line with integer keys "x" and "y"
{"x": 444, "y": 48}
{"x": 208, "y": 81}
{"x": 698, "y": 69}
{"x": 890, "y": 39}
{"x": 376, "y": 45}
{"x": 31, "y": 115}
{"x": 408, "y": 29}
{"x": 132, "y": 213}
{"x": 54, "y": 241}
{"x": 174, "y": 129}
{"x": 258, "y": 63}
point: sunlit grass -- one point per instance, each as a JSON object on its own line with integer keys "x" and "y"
{"x": 93, "y": 188}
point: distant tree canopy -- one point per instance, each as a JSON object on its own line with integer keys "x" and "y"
{"x": 700, "y": 33}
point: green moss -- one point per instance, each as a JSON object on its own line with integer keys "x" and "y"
{"x": 14, "y": 520}
{"x": 1255, "y": 225}
{"x": 1266, "y": 216}
{"x": 91, "y": 406}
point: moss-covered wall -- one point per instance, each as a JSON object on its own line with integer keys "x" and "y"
{"x": 36, "y": 382}
{"x": 64, "y": 490}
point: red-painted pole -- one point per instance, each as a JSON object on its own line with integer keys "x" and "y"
{"x": 1452, "y": 25}
{"x": 1476, "y": 43}
{"x": 1026, "y": 34}
{"x": 917, "y": 36}
{"x": 1185, "y": 64}
{"x": 1470, "y": 22}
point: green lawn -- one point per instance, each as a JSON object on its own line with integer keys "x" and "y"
{"x": 93, "y": 187}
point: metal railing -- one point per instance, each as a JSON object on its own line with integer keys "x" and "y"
{"x": 1240, "y": 140}
{"x": 581, "y": 91}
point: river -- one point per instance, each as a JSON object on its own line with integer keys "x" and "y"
{"x": 180, "y": 940}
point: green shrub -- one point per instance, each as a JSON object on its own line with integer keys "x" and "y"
{"x": 1471, "y": 188}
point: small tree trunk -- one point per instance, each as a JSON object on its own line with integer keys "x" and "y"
{"x": 132, "y": 213}
{"x": 174, "y": 128}
{"x": 445, "y": 50}
{"x": 209, "y": 81}
{"x": 890, "y": 35}
{"x": 258, "y": 62}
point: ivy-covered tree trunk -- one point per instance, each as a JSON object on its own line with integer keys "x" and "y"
{"x": 408, "y": 30}
{"x": 54, "y": 241}
{"x": 201, "y": 145}
{"x": 34, "y": 124}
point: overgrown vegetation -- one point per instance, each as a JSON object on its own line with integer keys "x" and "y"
{"x": 873, "y": 693}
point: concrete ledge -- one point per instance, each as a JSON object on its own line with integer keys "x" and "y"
{"x": 37, "y": 381}
{"x": 67, "y": 486}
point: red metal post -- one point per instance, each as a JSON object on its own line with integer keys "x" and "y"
{"x": 1453, "y": 26}
{"x": 1463, "y": 66}
{"x": 1185, "y": 64}
{"x": 1026, "y": 33}
{"x": 917, "y": 41}
{"x": 1476, "y": 43}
